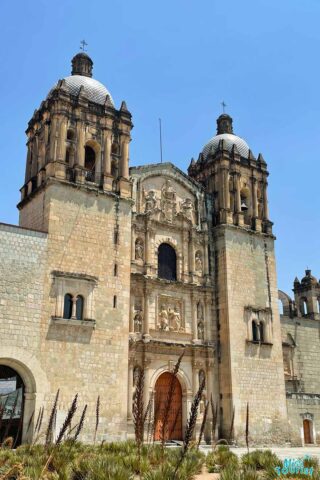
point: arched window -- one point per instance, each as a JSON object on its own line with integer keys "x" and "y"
{"x": 67, "y": 309}
{"x": 167, "y": 262}
{"x": 255, "y": 331}
{"x": 90, "y": 163}
{"x": 79, "y": 307}
{"x": 68, "y": 155}
{"x": 303, "y": 306}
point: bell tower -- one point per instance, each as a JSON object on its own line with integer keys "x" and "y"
{"x": 79, "y": 137}
{"x": 245, "y": 286}
{"x": 77, "y": 189}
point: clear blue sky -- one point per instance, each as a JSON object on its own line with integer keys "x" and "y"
{"x": 178, "y": 60}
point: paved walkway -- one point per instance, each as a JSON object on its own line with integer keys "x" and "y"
{"x": 281, "y": 452}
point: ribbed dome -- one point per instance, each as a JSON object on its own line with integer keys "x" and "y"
{"x": 230, "y": 140}
{"x": 225, "y": 133}
{"x": 81, "y": 76}
{"x": 94, "y": 91}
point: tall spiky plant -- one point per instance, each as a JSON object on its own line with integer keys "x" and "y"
{"x": 138, "y": 412}
{"x": 81, "y": 423}
{"x": 232, "y": 425}
{"x": 67, "y": 422}
{"x": 168, "y": 402}
{"x": 190, "y": 426}
{"x": 52, "y": 419}
{"x": 203, "y": 423}
{"x": 214, "y": 413}
{"x": 97, "y": 419}
{"x": 247, "y": 427}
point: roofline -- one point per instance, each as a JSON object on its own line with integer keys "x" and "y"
{"x": 171, "y": 165}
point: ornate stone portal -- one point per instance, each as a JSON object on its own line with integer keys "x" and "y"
{"x": 170, "y": 314}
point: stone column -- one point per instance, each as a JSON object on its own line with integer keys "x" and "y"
{"x": 130, "y": 389}
{"x": 205, "y": 257}
{"x": 131, "y": 323}
{"x": 146, "y": 314}
{"x": 107, "y": 152}
{"x": 254, "y": 197}
{"x": 148, "y": 248}
{"x": 191, "y": 255}
{"x": 80, "y": 144}
{"x": 195, "y": 378}
{"x": 265, "y": 201}
{"x": 147, "y": 391}
{"x": 226, "y": 188}
{"x": 194, "y": 319}
{"x": 125, "y": 157}
{"x": 238, "y": 194}
{"x": 53, "y": 133}
{"x": 62, "y": 139}
{"x": 207, "y": 325}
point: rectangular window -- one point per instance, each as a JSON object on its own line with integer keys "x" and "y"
{"x": 115, "y": 301}
{"x": 115, "y": 270}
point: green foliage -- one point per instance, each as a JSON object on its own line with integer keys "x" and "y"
{"x": 72, "y": 460}
{"x": 261, "y": 460}
{"x": 220, "y": 459}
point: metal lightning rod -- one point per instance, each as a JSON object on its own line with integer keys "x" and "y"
{"x": 160, "y": 139}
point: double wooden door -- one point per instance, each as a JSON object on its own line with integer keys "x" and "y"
{"x": 172, "y": 418}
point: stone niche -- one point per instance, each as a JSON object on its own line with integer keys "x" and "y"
{"x": 170, "y": 314}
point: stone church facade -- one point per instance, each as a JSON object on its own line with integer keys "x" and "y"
{"x": 115, "y": 269}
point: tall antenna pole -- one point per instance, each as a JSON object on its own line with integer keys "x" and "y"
{"x": 160, "y": 139}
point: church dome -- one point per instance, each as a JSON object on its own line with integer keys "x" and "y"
{"x": 309, "y": 279}
{"x": 81, "y": 76}
{"x": 225, "y": 133}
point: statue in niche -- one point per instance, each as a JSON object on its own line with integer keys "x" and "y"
{"x": 150, "y": 201}
{"x": 163, "y": 319}
{"x": 187, "y": 208}
{"x": 200, "y": 312}
{"x": 175, "y": 320}
{"x": 139, "y": 249}
{"x": 168, "y": 201}
{"x": 202, "y": 376}
{"x": 198, "y": 262}
{"x": 137, "y": 322}
{"x": 200, "y": 331}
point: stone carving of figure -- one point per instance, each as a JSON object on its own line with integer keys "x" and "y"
{"x": 187, "y": 208}
{"x": 168, "y": 201}
{"x": 175, "y": 320}
{"x": 198, "y": 262}
{"x": 150, "y": 201}
{"x": 139, "y": 249}
{"x": 163, "y": 318}
{"x": 200, "y": 312}
{"x": 200, "y": 331}
{"x": 137, "y": 322}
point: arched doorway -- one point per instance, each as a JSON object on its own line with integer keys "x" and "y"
{"x": 173, "y": 430}
{"x": 12, "y": 404}
{"x": 307, "y": 431}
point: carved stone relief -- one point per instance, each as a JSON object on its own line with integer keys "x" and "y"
{"x": 170, "y": 315}
{"x": 168, "y": 202}
{"x": 139, "y": 249}
{"x": 198, "y": 263}
{"x": 200, "y": 321}
{"x": 187, "y": 209}
{"x": 150, "y": 201}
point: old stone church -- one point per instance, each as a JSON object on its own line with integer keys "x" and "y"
{"x": 114, "y": 269}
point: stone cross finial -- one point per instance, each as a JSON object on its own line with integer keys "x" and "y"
{"x": 83, "y": 44}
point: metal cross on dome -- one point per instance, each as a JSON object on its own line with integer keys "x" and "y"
{"x": 83, "y": 44}
{"x": 224, "y": 105}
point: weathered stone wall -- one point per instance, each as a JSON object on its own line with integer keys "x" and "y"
{"x": 249, "y": 372}
{"x": 303, "y": 381}
{"x": 23, "y": 257}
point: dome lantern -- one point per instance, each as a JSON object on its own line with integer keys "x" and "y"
{"x": 82, "y": 65}
{"x": 224, "y": 124}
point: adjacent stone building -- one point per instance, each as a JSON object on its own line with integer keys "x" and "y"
{"x": 116, "y": 270}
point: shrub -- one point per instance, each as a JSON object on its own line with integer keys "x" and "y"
{"x": 221, "y": 458}
{"x": 261, "y": 460}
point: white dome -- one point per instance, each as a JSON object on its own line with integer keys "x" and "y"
{"x": 94, "y": 91}
{"x": 229, "y": 140}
